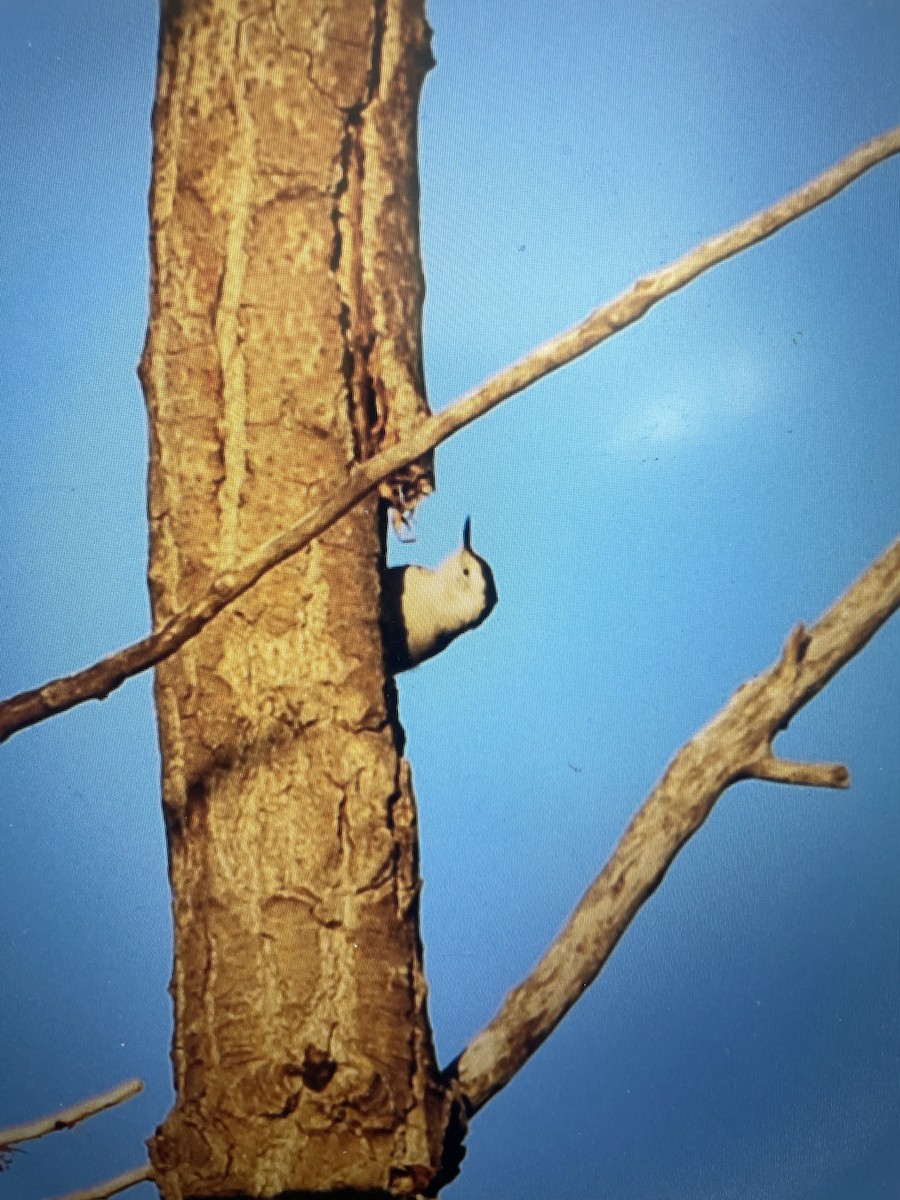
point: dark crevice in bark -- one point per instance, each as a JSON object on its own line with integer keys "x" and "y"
{"x": 354, "y": 316}
{"x": 454, "y": 1151}
{"x": 345, "y": 158}
{"x": 391, "y": 696}
{"x": 378, "y": 27}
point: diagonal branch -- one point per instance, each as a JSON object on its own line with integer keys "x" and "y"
{"x": 97, "y": 681}
{"x": 735, "y": 745}
{"x": 69, "y": 1116}
{"x": 111, "y": 1187}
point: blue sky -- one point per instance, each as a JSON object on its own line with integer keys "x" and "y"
{"x": 658, "y": 516}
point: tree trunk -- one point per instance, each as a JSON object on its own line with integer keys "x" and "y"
{"x": 284, "y": 344}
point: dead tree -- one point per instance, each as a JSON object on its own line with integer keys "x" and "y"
{"x": 285, "y": 394}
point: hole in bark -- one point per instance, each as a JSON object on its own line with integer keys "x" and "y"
{"x": 318, "y": 1069}
{"x": 195, "y": 803}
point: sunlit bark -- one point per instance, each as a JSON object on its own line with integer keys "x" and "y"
{"x": 284, "y": 173}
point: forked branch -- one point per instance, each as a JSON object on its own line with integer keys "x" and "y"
{"x": 97, "y": 681}
{"x": 737, "y": 744}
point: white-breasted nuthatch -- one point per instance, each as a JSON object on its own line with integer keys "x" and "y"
{"x": 424, "y": 608}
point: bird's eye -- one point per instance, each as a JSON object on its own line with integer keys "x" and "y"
{"x": 465, "y": 570}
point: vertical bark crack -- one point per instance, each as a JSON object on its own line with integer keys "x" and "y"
{"x": 233, "y": 424}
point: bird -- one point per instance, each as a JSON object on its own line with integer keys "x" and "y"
{"x": 424, "y": 609}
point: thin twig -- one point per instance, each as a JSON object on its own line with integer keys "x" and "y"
{"x": 730, "y": 748}
{"x": 781, "y": 770}
{"x": 111, "y": 1187}
{"x": 97, "y": 681}
{"x": 70, "y": 1116}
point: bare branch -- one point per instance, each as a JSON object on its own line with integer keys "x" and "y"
{"x": 70, "y": 1116}
{"x": 735, "y": 745}
{"x": 97, "y": 681}
{"x": 779, "y": 770}
{"x": 113, "y": 1186}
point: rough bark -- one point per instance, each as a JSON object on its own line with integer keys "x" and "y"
{"x": 280, "y": 353}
